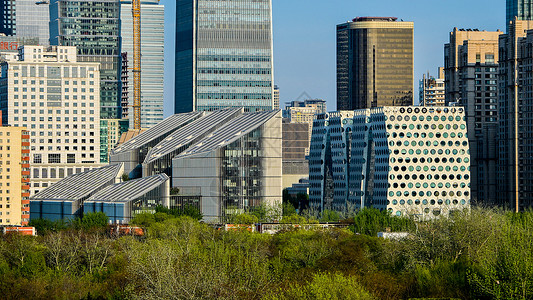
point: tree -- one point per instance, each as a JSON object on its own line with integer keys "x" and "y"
{"x": 91, "y": 221}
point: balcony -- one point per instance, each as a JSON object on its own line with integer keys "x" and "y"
{"x": 25, "y": 202}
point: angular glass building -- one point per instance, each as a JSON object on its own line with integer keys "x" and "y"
{"x": 152, "y": 63}
{"x": 223, "y": 55}
{"x": 523, "y": 9}
{"x": 25, "y": 19}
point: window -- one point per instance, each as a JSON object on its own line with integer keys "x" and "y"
{"x": 54, "y": 158}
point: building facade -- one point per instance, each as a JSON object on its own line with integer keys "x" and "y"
{"x": 236, "y": 168}
{"x": 515, "y": 135}
{"x": 295, "y": 148}
{"x": 224, "y": 55}
{"x": 276, "y": 97}
{"x": 520, "y": 9}
{"x": 471, "y": 68}
{"x": 374, "y": 63}
{"x": 25, "y": 19}
{"x": 432, "y": 90}
{"x": 93, "y": 26}
{"x": 407, "y": 160}
{"x": 152, "y": 62}
{"x": 57, "y": 99}
{"x": 14, "y": 176}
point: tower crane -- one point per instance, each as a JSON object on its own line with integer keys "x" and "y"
{"x": 136, "y": 11}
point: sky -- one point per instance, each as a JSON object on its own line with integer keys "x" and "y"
{"x": 304, "y": 38}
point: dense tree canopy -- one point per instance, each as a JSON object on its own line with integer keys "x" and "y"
{"x": 482, "y": 254}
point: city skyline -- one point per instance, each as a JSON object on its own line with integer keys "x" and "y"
{"x": 304, "y": 50}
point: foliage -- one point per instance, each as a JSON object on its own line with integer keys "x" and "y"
{"x": 125, "y": 177}
{"x": 480, "y": 254}
{"x": 45, "y": 226}
{"x": 370, "y": 221}
{"x": 91, "y": 221}
{"x": 325, "y": 286}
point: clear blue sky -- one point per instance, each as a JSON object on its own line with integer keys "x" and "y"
{"x": 304, "y": 38}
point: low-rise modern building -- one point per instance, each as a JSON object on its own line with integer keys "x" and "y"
{"x": 432, "y": 90}
{"x": 57, "y": 99}
{"x": 64, "y": 200}
{"x": 121, "y": 201}
{"x": 14, "y": 176}
{"x": 236, "y": 168}
{"x": 407, "y": 160}
{"x": 133, "y": 152}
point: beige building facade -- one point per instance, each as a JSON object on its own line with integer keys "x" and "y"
{"x": 14, "y": 176}
{"x": 432, "y": 90}
{"x": 58, "y": 100}
{"x": 471, "y": 70}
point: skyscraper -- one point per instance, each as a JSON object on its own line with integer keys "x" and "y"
{"x": 223, "y": 55}
{"x": 515, "y": 136}
{"x": 374, "y": 63}
{"x": 523, "y": 9}
{"x": 471, "y": 67}
{"x": 93, "y": 26}
{"x": 152, "y": 63}
{"x": 25, "y": 19}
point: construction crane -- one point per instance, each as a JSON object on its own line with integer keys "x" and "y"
{"x": 136, "y": 11}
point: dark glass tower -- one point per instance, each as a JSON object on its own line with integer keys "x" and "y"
{"x": 93, "y": 26}
{"x": 523, "y": 9}
{"x": 374, "y": 63}
{"x": 25, "y": 19}
{"x": 223, "y": 55}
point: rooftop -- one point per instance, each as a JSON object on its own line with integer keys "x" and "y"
{"x": 80, "y": 185}
{"x": 192, "y": 132}
{"x": 230, "y": 132}
{"x": 164, "y": 127}
{"x": 129, "y": 190}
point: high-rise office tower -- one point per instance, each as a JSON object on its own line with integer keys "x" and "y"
{"x": 471, "y": 67}
{"x": 374, "y": 63}
{"x": 522, "y": 9}
{"x": 515, "y": 165}
{"x": 57, "y": 99}
{"x": 432, "y": 90}
{"x": 223, "y": 55}
{"x": 93, "y": 26}
{"x": 25, "y": 19}
{"x": 152, "y": 63}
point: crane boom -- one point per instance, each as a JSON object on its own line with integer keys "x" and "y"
{"x": 136, "y": 11}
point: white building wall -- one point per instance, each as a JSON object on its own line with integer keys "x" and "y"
{"x": 58, "y": 102}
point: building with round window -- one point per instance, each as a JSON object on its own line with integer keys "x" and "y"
{"x": 407, "y": 160}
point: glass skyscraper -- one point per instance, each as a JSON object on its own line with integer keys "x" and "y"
{"x": 152, "y": 62}
{"x": 523, "y": 9}
{"x": 25, "y": 19}
{"x": 223, "y": 55}
{"x": 93, "y": 26}
{"x": 374, "y": 63}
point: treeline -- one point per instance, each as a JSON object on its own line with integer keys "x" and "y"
{"x": 483, "y": 254}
